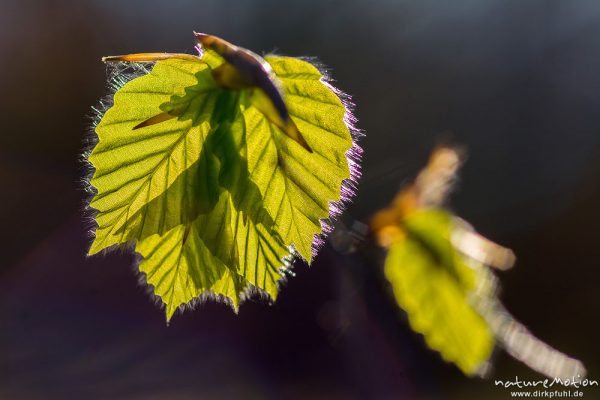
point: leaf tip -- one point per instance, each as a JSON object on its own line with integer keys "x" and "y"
{"x": 94, "y": 249}
{"x": 169, "y": 312}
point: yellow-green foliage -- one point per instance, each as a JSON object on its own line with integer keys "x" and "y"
{"x": 214, "y": 198}
{"x": 432, "y": 283}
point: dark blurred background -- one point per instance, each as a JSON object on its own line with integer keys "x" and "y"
{"x": 515, "y": 82}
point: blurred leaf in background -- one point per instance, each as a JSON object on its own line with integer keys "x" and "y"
{"x": 439, "y": 269}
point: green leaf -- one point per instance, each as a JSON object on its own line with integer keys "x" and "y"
{"x": 135, "y": 166}
{"x": 213, "y": 195}
{"x": 181, "y": 267}
{"x": 298, "y": 187}
{"x": 433, "y": 284}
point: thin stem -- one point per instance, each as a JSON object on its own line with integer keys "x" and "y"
{"x": 146, "y": 57}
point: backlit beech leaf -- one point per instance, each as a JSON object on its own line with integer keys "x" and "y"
{"x": 135, "y": 166}
{"x": 213, "y": 178}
